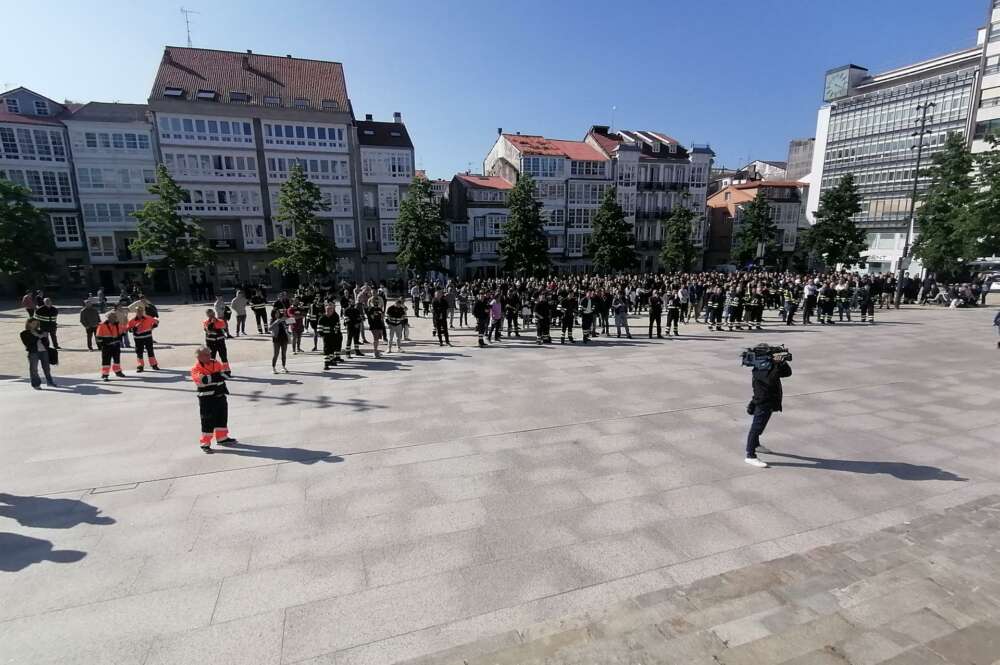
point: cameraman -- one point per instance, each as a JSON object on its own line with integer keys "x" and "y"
{"x": 766, "y": 400}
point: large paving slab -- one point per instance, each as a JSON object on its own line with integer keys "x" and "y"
{"x": 398, "y": 507}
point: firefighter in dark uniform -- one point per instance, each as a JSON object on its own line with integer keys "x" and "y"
{"x": 511, "y": 310}
{"x": 843, "y": 300}
{"x": 588, "y": 310}
{"x": 209, "y": 379}
{"x": 215, "y": 339}
{"x": 258, "y": 304}
{"x": 439, "y": 316}
{"x": 313, "y": 313}
{"x": 109, "y": 341}
{"x": 790, "y": 294}
{"x": 866, "y": 301}
{"x": 353, "y": 316}
{"x": 543, "y": 320}
{"x": 328, "y": 326}
{"x": 567, "y": 316}
{"x": 142, "y": 332}
{"x": 481, "y": 312}
{"x": 673, "y": 311}
{"x": 825, "y": 300}
{"x": 46, "y": 315}
{"x": 655, "y": 314}
{"x": 755, "y": 308}
{"x": 716, "y": 303}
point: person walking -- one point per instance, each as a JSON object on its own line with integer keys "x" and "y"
{"x": 496, "y": 319}
{"x": 415, "y": 299}
{"x": 278, "y": 328}
{"x": 441, "y": 310}
{"x": 481, "y": 312}
{"x": 620, "y": 308}
{"x": 28, "y": 303}
{"x": 296, "y": 319}
{"x": 463, "y": 307}
{"x": 766, "y": 400}
{"x": 353, "y": 315}
{"x": 329, "y": 327}
{"x": 394, "y": 316}
{"x": 209, "y": 379}
{"x": 90, "y": 318}
{"x": 36, "y": 344}
{"x": 215, "y": 339}
{"x": 109, "y": 341}
{"x": 46, "y": 315}
{"x": 258, "y": 305}
{"x": 376, "y": 325}
{"x": 224, "y": 312}
{"x": 655, "y": 314}
{"x": 142, "y": 332}
{"x": 239, "y": 306}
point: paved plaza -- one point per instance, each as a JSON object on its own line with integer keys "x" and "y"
{"x": 511, "y": 505}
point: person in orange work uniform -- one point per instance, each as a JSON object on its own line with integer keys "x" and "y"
{"x": 215, "y": 339}
{"x": 142, "y": 332}
{"x": 209, "y": 379}
{"x": 109, "y": 334}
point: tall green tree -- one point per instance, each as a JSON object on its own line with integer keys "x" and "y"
{"x": 420, "y": 230}
{"x": 612, "y": 245}
{"x": 26, "y": 244}
{"x": 983, "y": 225}
{"x": 835, "y": 238}
{"x": 757, "y": 227}
{"x": 523, "y": 248}
{"x": 310, "y": 251}
{"x": 944, "y": 219}
{"x": 162, "y": 231}
{"x": 678, "y": 251}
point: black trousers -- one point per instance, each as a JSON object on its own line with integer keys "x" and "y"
{"x": 353, "y": 335}
{"x": 586, "y": 323}
{"x": 655, "y": 318}
{"x": 218, "y": 348}
{"x": 673, "y": 316}
{"x": 214, "y": 413}
{"x": 482, "y": 325}
{"x": 111, "y": 357}
{"x": 144, "y": 345}
{"x": 331, "y": 345}
{"x": 567, "y": 326}
{"x": 761, "y": 416}
{"x": 261, "y": 316}
{"x": 441, "y": 329}
{"x": 512, "y": 323}
{"x": 91, "y": 333}
{"x": 241, "y": 324}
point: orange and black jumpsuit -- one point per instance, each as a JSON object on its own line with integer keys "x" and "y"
{"x": 109, "y": 342}
{"x": 212, "y": 404}
{"x": 215, "y": 340}
{"x": 142, "y": 333}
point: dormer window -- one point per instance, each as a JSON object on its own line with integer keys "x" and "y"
{"x": 301, "y": 103}
{"x": 171, "y": 91}
{"x": 12, "y": 105}
{"x": 673, "y": 148}
{"x": 656, "y": 146}
{"x": 41, "y": 107}
{"x": 207, "y": 95}
{"x": 272, "y": 100}
{"x": 238, "y": 97}
{"x": 330, "y": 104}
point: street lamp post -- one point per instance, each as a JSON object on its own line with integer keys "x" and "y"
{"x": 924, "y": 109}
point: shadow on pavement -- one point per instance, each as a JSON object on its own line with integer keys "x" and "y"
{"x": 300, "y": 455}
{"x": 47, "y": 513}
{"x": 17, "y": 552}
{"x": 901, "y": 470}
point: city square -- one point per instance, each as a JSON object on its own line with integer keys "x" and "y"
{"x": 449, "y": 504}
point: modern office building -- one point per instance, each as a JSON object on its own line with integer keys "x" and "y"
{"x": 986, "y": 100}
{"x": 386, "y": 155}
{"x": 866, "y": 127}
{"x": 114, "y": 164}
{"x": 34, "y": 153}
{"x": 726, "y": 217}
{"x": 800, "y": 155}
{"x": 655, "y": 174}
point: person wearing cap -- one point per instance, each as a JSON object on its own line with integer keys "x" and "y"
{"x": 109, "y": 336}
{"x": 210, "y": 382}
{"x": 215, "y": 339}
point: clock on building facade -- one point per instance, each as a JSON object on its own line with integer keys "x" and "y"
{"x": 837, "y": 84}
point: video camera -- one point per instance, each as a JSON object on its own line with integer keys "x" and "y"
{"x": 763, "y": 356}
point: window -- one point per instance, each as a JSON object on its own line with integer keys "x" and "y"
{"x": 987, "y": 128}
{"x": 101, "y": 246}
{"x": 65, "y": 229}
{"x": 253, "y": 235}
{"x": 586, "y": 168}
{"x": 371, "y": 234}
{"x": 41, "y": 107}
{"x": 272, "y": 100}
{"x": 207, "y": 95}
{"x": 239, "y": 97}
{"x": 301, "y": 103}
{"x": 13, "y": 106}
{"x": 8, "y": 144}
{"x": 343, "y": 234}
{"x": 330, "y": 104}
{"x": 171, "y": 91}
{"x": 284, "y": 230}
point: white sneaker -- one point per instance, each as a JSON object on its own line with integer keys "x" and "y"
{"x": 762, "y": 449}
{"x": 753, "y": 461}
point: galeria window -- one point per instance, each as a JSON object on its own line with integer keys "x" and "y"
{"x": 65, "y": 229}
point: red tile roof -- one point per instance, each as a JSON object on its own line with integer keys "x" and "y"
{"x": 484, "y": 181}
{"x": 753, "y": 184}
{"x": 539, "y": 145}
{"x": 28, "y": 119}
{"x": 193, "y": 69}
{"x": 607, "y": 143}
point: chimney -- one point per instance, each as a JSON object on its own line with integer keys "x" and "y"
{"x": 288, "y": 55}
{"x": 397, "y": 118}
{"x": 368, "y": 117}
{"x": 249, "y": 52}
{"x": 499, "y": 131}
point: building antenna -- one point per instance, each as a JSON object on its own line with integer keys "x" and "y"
{"x": 187, "y": 22}
{"x": 613, "y": 109}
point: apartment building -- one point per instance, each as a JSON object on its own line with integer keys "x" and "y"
{"x": 800, "y": 155}
{"x": 34, "y": 153}
{"x": 866, "y": 127}
{"x": 478, "y": 207}
{"x": 654, "y": 174}
{"x": 386, "y": 155}
{"x": 114, "y": 165}
{"x": 726, "y": 209}
{"x": 230, "y": 127}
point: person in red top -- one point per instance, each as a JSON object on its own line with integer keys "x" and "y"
{"x": 215, "y": 339}
{"x": 109, "y": 339}
{"x": 207, "y": 375}
{"x": 142, "y": 332}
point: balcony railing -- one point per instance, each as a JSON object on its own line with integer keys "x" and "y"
{"x": 369, "y": 212}
{"x": 460, "y": 246}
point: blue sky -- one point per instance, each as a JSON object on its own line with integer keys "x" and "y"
{"x": 745, "y": 77}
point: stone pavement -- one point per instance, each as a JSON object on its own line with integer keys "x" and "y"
{"x": 396, "y": 508}
{"x": 924, "y": 592}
